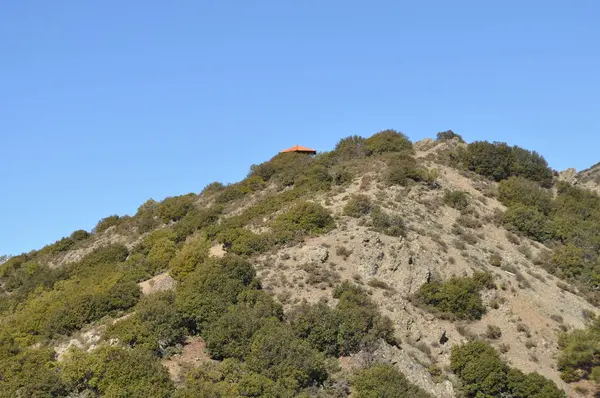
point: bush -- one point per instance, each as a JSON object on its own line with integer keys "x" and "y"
{"x": 484, "y": 374}
{"x": 194, "y": 220}
{"x": 206, "y": 294}
{"x": 316, "y": 178}
{"x": 361, "y": 324}
{"x": 160, "y": 255}
{"x": 458, "y": 200}
{"x": 175, "y": 208}
{"x": 500, "y": 161}
{"x": 116, "y": 372}
{"x": 156, "y": 325}
{"x": 569, "y": 260}
{"x": 284, "y": 168}
{"x": 387, "y": 141}
{"x": 279, "y": 355}
{"x": 449, "y": 135}
{"x": 193, "y": 253}
{"x": 519, "y": 190}
{"x": 493, "y": 332}
{"x": 318, "y": 325}
{"x": 352, "y": 147}
{"x": 231, "y": 335}
{"x": 383, "y": 380}
{"x": 529, "y": 221}
{"x": 580, "y": 354}
{"x": 242, "y": 241}
{"x": 358, "y": 206}
{"x": 403, "y": 168}
{"x": 80, "y": 235}
{"x": 60, "y": 246}
{"x": 389, "y": 224}
{"x": 106, "y": 223}
{"x": 456, "y": 298}
{"x": 29, "y": 372}
{"x": 231, "y": 378}
{"x": 306, "y": 218}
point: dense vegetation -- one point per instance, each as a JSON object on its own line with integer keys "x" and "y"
{"x": 483, "y": 374}
{"x": 580, "y": 356}
{"x": 456, "y": 298}
{"x": 384, "y": 381}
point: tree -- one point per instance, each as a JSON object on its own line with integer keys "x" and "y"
{"x": 387, "y": 141}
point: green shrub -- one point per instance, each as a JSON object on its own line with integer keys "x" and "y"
{"x": 206, "y": 294}
{"x": 529, "y": 221}
{"x": 212, "y": 188}
{"x": 284, "y": 168}
{"x": 242, "y": 241}
{"x": 361, "y": 324}
{"x": 195, "y": 220}
{"x": 156, "y": 325}
{"x": 306, "y": 218}
{"x": 580, "y": 354}
{"x": 401, "y": 169}
{"x": 279, "y": 355}
{"x": 382, "y": 380}
{"x": 116, "y": 372}
{"x": 231, "y": 378}
{"x": 389, "y": 224}
{"x": 160, "y": 255}
{"x": 176, "y": 207}
{"x": 106, "y": 223}
{"x": 229, "y": 194}
{"x": 570, "y": 261}
{"x": 80, "y": 235}
{"x": 318, "y": 325}
{"x": 483, "y": 374}
{"x": 192, "y": 254}
{"x": 387, "y": 141}
{"x": 316, "y": 178}
{"x": 352, "y": 147}
{"x": 458, "y": 200}
{"x": 232, "y": 334}
{"x": 252, "y": 184}
{"x": 358, "y": 206}
{"x": 59, "y": 246}
{"x": 28, "y": 372}
{"x": 449, "y": 135}
{"x": 500, "y": 161}
{"x": 519, "y": 190}
{"x": 456, "y": 298}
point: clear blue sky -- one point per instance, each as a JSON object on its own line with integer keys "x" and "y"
{"x": 106, "y": 104}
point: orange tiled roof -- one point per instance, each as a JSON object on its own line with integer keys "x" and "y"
{"x": 298, "y": 148}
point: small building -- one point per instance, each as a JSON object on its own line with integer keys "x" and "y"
{"x": 300, "y": 149}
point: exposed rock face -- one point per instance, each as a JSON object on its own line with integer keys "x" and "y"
{"x": 588, "y": 179}
{"x": 415, "y": 372}
{"x": 159, "y": 283}
{"x": 313, "y": 255}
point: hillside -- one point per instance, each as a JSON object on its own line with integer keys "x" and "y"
{"x": 380, "y": 268}
{"x": 588, "y": 179}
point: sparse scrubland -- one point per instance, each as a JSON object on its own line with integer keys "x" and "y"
{"x": 381, "y": 268}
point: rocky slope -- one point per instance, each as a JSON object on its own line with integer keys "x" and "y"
{"x": 588, "y": 179}
{"x": 529, "y": 306}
